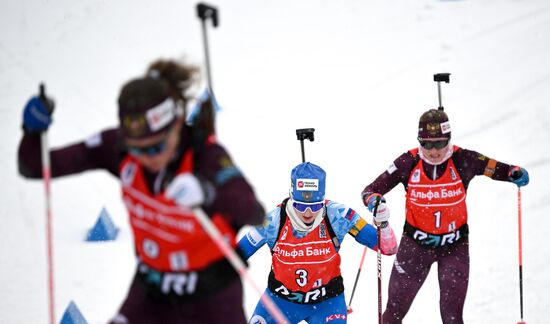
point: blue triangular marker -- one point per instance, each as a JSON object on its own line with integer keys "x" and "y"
{"x": 104, "y": 229}
{"x": 72, "y": 315}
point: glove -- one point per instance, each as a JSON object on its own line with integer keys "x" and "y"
{"x": 37, "y": 114}
{"x": 370, "y": 201}
{"x": 382, "y": 214}
{"x": 203, "y": 99}
{"x": 519, "y": 176}
{"x": 187, "y": 190}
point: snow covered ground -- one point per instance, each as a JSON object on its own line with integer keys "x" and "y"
{"x": 359, "y": 72}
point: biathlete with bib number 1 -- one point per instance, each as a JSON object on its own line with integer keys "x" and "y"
{"x": 304, "y": 234}
{"x": 436, "y": 176}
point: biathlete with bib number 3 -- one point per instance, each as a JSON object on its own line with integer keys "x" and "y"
{"x": 436, "y": 176}
{"x": 304, "y": 234}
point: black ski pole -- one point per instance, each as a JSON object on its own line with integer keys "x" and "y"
{"x": 378, "y": 262}
{"x": 205, "y": 12}
{"x": 302, "y": 134}
{"x": 203, "y": 126}
{"x": 204, "y": 120}
{"x": 441, "y": 77}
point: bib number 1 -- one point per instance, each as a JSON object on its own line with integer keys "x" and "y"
{"x": 437, "y": 216}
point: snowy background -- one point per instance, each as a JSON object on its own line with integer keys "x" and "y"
{"x": 359, "y": 72}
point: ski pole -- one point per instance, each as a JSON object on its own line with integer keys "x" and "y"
{"x": 350, "y": 310}
{"x": 441, "y": 77}
{"x": 204, "y": 120}
{"x": 520, "y": 259}
{"x": 302, "y": 134}
{"x": 379, "y": 263}
{"x": 46, "y": 175}
{"x": 237, "y": 262}
{"x": 205, "y": 12}
{"x": 205, "y": 126}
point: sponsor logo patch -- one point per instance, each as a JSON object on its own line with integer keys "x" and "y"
{"x": 453, "y": 174}
{"x": 392, "y": 168}
{"x": 127, "y": 174}
{"x": 93, "y": 141}
{"x": 445, "y": 127}
{"x": 161, "y": 115}
{"x": 254, "y": 237}
{"x": 416, "y": 176}
{"x": 285, "y": 231}
{"x": 307, "y": 184}
{"x": 335, "y": 317}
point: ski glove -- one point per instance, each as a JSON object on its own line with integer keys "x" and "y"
{"x": 203, "y": 98}
{"x": 382, "y": 213}
{"x": 187, "y": 190}
{"x": 370, "y": 201}
{"x": 519, "y": 176}
{"x": 37, "y": 114}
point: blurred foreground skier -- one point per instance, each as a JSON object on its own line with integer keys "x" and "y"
{"x": 435, "y": 176}
{"x": 304, "y": 234}
{"x": 181, "y": 276}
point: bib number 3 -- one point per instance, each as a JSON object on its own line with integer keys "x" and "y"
{"x": 301, "y": 279}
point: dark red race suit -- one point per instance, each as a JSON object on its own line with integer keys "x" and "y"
{"x": 181, "y": 275}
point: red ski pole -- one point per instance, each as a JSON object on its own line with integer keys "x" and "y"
{"x": 356, "y": 280}
{"x": 237, "y": 263}
{"x": 520, "y": 259}
{"x": 46, "y": 175}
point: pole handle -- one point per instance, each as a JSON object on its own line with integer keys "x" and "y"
{"x": 205, "y": 12}
{"x": 441, "y": 77}
{"x": 376, "y": 203}
{"x": 303, "y": 134}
